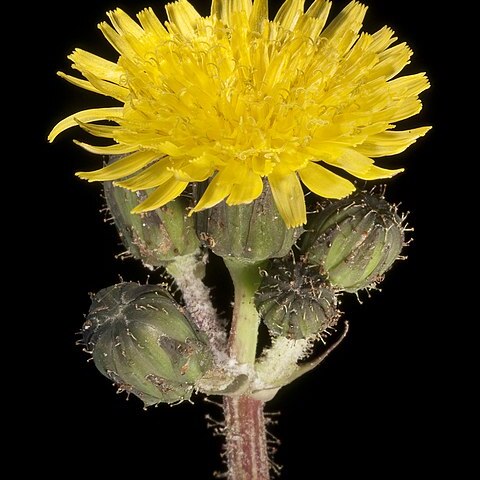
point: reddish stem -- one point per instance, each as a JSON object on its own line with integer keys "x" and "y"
{"x": 246, "y": 439}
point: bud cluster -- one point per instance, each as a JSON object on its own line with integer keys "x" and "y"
{"x": 151, "y": 346}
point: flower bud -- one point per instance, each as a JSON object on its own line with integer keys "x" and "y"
{"x": 153, "y": 237}
{"x": 293, "y": 300}
{"x": 354, "y": 241}
{"x": 251, "y": 232}
{"x": 141, "y": 339}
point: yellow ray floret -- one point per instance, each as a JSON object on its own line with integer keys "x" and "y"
{"x": 235, "y": 98}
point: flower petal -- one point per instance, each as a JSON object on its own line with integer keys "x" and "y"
{"x": 151, "y": 24}
{"x": 382, "y": 39}
{"x": 288, "y": 196}
{"x": 100, "y": 67}
{"x": 119, "y": 42}
{"x": 289, "y": 13}
{"x": 151, "y": 177}
{"x": 315, "y": 18}
{"x": 360, "y": 165}
{"x": 217, "y": 190}
{"x": 224, "y": 9}
{"x": 262, "y": 165}
{"x": 183, "y": 17}
{"x": 115, "y": 149}
{"x": 342, "y": 31}
{"x": 165, "y": 193}
{"x": 247, "y": 190}
{"x": 85, "y": 116}
{"x": 392, "y": 61}
{"x": 259, "y": 14}
{"x": 98, "y": 85}
{"x": 78, "y": 82}
{"x": 105, "y": 131}
{"x": 325, "y": 183}
{"x": 408, "y": 86}
{"x": 319, "y": 9}
{"x": 377, "y": 173}
{"x": 124, "y": 24}
{"x": 120, "y": 168}
{"x": 197, "y": 170}
{"x": 390, "y": 142}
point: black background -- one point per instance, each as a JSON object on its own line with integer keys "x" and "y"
{"x": 376, "y": 407}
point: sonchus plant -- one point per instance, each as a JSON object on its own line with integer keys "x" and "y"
{"x": 221, "y": 126}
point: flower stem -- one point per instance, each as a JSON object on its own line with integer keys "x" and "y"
{"x": 188, "y": 272}
{"x": 242, "y": 341}
{"x": 246, "y": 440}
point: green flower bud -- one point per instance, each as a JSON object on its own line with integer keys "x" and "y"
{"x": 153, "y": 237}
{"x": 251, "y": 232}
{"x": 141, "y": 339}
{"x": 354, "y": 241}
{"x": 294, "y": 301}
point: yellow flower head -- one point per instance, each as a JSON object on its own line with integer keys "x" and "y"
{"x": 236, "y": 98}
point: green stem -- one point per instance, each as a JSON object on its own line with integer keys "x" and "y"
{"x": 246, "y": 440}
{"x": 242, "y": 341}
